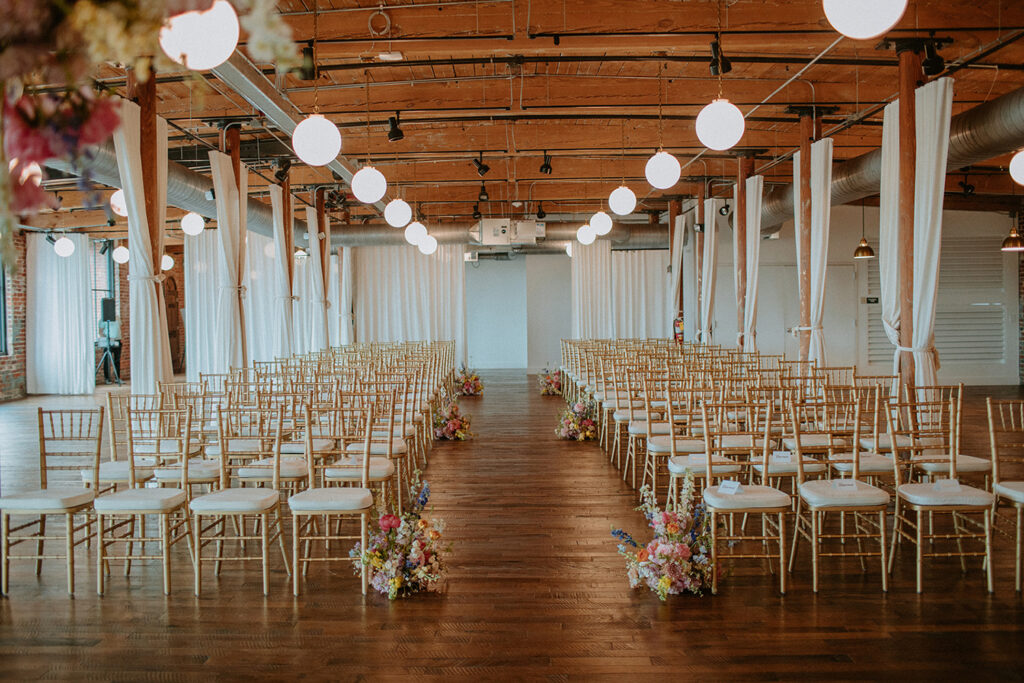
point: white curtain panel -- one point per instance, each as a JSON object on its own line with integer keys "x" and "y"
{"x": 640, "y": 289}
{"x": 202, "y": 281}
{"x": 755, "y": 192}
{"x": 302, "y": 307}
{"x": 59, "y": 334}
{"x": 709, "y": 270}
{"x": 679, "y": 235}
{"x": 933, "y": 111}
{"x": 592, "y": 290}
{"x": 232, "y": 201}
{"x": 282, "y": 328}
{"x": 260, "y": 304}
{"x": 151, "y": 350}
{"x": 319, "y": 325}
{"x": 736, "y": 246}
{"x": 403, "y": 295}
{"x": 821, "y": 212}
{"x": 333, "y": 309}
{"x": 889, "y": 229}
{"x": 688, "y": 275}
{"x": 345, "y": 298}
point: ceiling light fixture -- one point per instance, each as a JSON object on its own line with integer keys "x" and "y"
{"x": 394, "y": 132}
{"x": 118, "y": 204}
{"x": 933, "y": 64}
{"x": 307, "y": 70}
{"x": 720, "y": 124}
{"x": 723, "y": 210}
{"x": 662, "y": 169}
{"x": 398, "y": 213}
{"x": 64, "y": 247}
{"x": 719, "y": 62}
{"x": 863, "y": 250}
{"x": 865, "y": 19}
{"x": 483, "y": 197}
{"x": 368, "y": 184}
{"x": 192, "y": 223}
{"x": 284, "y": 164}
{"x": 622, "y": 200}
{"x": 415, "y": 232}
{"x": 481, "y": 168}
{"x": 201, "y": 40}
{"x": 120, "y": 254}
{"x": 476, "y": 212}
{"x": 545, "y": 167}
{"x": 601, "y": 223}
{"x": 1014, "y": 242}
{"x": 316, "y": 141}
{"x": 1017, "y": 167}
{"x": 541, "y": 213}
{"x": 585, "y": 234}
{"x": 427, "y": 245}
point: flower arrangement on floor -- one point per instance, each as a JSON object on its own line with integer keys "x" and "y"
{"x": 578, "y": 422}
{"x": 468, "y": 383}
{"x": 451, "y": 424}
{"x": 550, "y": 382}
{"x": 404, "y": 554}
{"x": 677, "y": 560}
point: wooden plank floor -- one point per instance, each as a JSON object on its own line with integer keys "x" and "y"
{"x": 536, "y": 591}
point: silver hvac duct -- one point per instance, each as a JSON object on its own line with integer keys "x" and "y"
{"x": 622, "y": 236}
{"x": 986, "y": 131}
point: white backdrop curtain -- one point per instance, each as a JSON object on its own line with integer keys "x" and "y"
{"x": 318, "y": 321}
{"x": 709, "y": 269}
{"x": 261, "y": 290}
{"x": 302, "y": 307}
{"x": 821, "y": 211}
{"x": 592, "y": 290}
{"x": 202, "y": 280}
{"x": 676, "y": 258}
{"x": 688, "y": 275}
{"x": 59, "y": 333}
{"x": 232, "y": 202}
{"x": 889, "y": 229}
{"x": 333, "y": 309}
{"x": 755, "y": 191}
{"x": 345, "y": 293}
{"x": 933, "y": 111}
{"x": 150, "y": 345}
{"x": 282, "y": 328}
{"x": 641, "y": 305}
{"x": 403, "y": 295}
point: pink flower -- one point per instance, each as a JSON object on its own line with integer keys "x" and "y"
{"x": 389, "y": 522}
{"x": 101, "y": 124}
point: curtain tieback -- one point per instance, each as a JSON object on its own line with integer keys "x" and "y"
{"x": 918, "y": 349}
{"x": 287, "y": 297}
{"x": 147, "y": 278}
{"x": 241, "y": 289}
{"x": 795, "y": 331}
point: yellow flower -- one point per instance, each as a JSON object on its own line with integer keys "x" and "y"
{"x": 434, "y": 534}
{"x": 422, "y": 523}
{"x": 664, "y": 583}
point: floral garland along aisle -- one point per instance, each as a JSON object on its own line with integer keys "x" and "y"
{"x": 550, "y": 382}
{"x": 468, "y": 382}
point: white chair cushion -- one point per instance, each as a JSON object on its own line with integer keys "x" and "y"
{"x": 885, "y": 442}
{"x": 781, "y": 467}
{"x": 410, "y": 431}
{"x": 813, "y": 441}
{"x": 236, "y": 501}
{"x": 299, "y": 447}
{"x": 146, "y": 501}
{"x": 291, "y": 468}
{"x": 640, "y": 428}
{"x": 740, "y": 441}
{"x": 697, "y": 464}
{"x": 380, "y": 468}
{"x": 378, "y": 448}
{"x": 165, "y": 447}
{"x": 662, "y": 444}
{"x": 826, "y": 493}
{"x": 116, "y": 472}
{"x": 47, "y": 499}
{"x": 622, "y": 414}
{"x": 870, "y": 463}
{"x": 199, "y": 470}
{"x": 1014, "y": 490}
{"x": 964, "y": 463}
{"x": 85, "y": 446}
{"x": 236, "y": 446}
{"x": 332, "y": 499}
{"x": 927, "y": 494}
{"x": 749, "y": 497}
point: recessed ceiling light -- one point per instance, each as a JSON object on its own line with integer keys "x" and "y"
{"x": 393, "y": 56}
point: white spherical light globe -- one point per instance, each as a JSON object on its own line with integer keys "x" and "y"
{"x": 662, "y": 170}
{"x": 398, "y": 213}
{"x": 369, "y": 185}
{"x": 622, "y": 201}
{"x": 415, "y": 232}
{"x": 64, "y": 247}
{"x": 427, "y": 245}
{"x": 316, "y": 140}
{"x": 120, "y": 254}
{"x": 585, "y": 234}
{"x": 201, "y": 40}
{"x": 117, "y": 203}
{"x": 601, "y": 223}
{"x": 166, "y": 262}
{"x": 192, "y": 223}
{"x": 720, "y": 125}
{"x": 864, "y": 19}
{"x": 1017, "y": 167}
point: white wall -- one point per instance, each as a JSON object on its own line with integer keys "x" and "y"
{"x": 496, "y": 320}
{"x": 549, "y": 312}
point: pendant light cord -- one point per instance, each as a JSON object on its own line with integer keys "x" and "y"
{"x": 622, "y": 162}
{"x": 366, "y": 74}
{"x": 719, "y": 36}
{"x": 316, "y": 68}
{"x": 661, "y": 102}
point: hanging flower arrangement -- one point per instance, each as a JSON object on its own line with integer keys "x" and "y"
{"x": 450, "y": 424}
{"x": 578, "y": 422}
{"x": 550, "y": 382}
{"x": 467, "y": 382}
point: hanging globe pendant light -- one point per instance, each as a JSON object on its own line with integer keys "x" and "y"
{"x": 316, "y": 140}
{"x": 864, "y": 19}
{"x": 192, "y": 223}
{"x": 398, "y": 213}
{"x": 622, "y": 201}
{"x": 662, "y": 170}
{"x": 601, "y": 223}
{"x": 201, "y": 40}
{"x": 720, "y": 125}
{"x": 120, "y": 254}
{"x": 369, "y": 185}
{"x": 585, "y": 234}
{"x": 415, "y": 232}
{"x": 64, "y": 247}
{"x": 1017, "y": 167}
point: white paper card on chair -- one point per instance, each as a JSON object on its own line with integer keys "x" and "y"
{"x": 947, "y": 485}
{"x": 729, "y": 487}
{"x": 782, "y": 456}
{"x": 844, "y": 483}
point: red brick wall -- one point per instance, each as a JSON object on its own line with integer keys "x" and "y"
{"x": 12, "y": 366}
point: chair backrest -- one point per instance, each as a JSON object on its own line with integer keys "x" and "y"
{"x": 117, "y": 415}
{"x": 69, "y": 440}
{"x": 723, "y": 422}
{"x": 836, "y": 421}
{"x": 247, "y": 435}
{"x": 163, "y": 435}
{"x": 1006, "y": 435}
{"x": 929, "y": 431}
{"x": 352, "y": 423}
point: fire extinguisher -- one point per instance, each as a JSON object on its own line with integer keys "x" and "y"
{"x": 677, "y": 328}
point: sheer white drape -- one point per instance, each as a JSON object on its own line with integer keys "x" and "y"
{"x": 151, "y": 350}
{"x": 302, "y": 307}
{"x": 402, "y": 295}
{"x": 691, "y": 308}
{"x": 592, "y": 290}
{"x": 736, "y": 246}
{"x": 821, "y": 211}
{"x": 709, "y": 271}
{"x": 333, "y": 309}
{"x": 345, "y": 297}
{"x": 755, "y": 191}
{"x": 318, "y": 292}
{"x": 202, "y": 281}
{"x": 232, "y": 203}
{"x": 282, "y": 335}
{"x": 260, "y": 295}
{"x": 59, "y": 332}
{"x": 679, "y": 236}
{"x": 889, "y": 229}
{"x": 641, "y": 304}
{"x": 934, "y": 109}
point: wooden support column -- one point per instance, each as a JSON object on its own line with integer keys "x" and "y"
{"x": 143, "y": 93}
{"x": 909, "y": 78}
{"x": 804, "y": 236}
{"x": 745, "y": 167}
{"x": 320, "y": 201}
{"x": 674, "y": 209}
{"x": 233, "y": 147}
{"x": 698, "y": 247}
{"x": 289, "y": 231}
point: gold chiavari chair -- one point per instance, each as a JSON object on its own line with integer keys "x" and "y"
{"x": 1006, "y": 438}
{"x": 116, "y": 471}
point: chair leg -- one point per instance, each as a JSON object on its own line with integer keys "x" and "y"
{"x": 100, "y": 552}
{"x": 714, "y": 552}
{"x": 362, "y": 545}
{"x": 280, "y": 539}
{"x": 165, "y": 543}
{"x": 815, "y": 523}
{"x": 797, "y": 520}
{"x": 1020, "y": 518}
{"x": 881, "y": 548}
{"x": 265, "y": 551}
{"x": 988, "y": 548}
{"x": 782, "y": 552}
{"x": 920, "y": 548}
{"x": 39, "y": 545}
{"x": 5, "y": 562}
{"x": 69, "y": 540}
{"x": 296, "y": 563}
{"x": 197, "y": 529}
{"x": 897, "y": 522}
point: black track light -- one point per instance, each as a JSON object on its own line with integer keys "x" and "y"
{"x": 307, "y": 70}
{"x": 476, "y": 212}
{"x": 284, "y": 164}
{"x": 394, "y": 132}
{"x": 483, "y": 193}
{"x": 541, "y": 213}
{"x": 545, "y": 168}
{"x": 51, "y": 239}
{"x": 723, "y": 210}
{"x": 481, "y": 167}
{"x": 719, "y": 63}
{"x": 933, "y": 64}
{"x": 104, "y": 247}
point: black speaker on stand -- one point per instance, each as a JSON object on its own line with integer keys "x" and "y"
{"x": 108, "y": 314}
